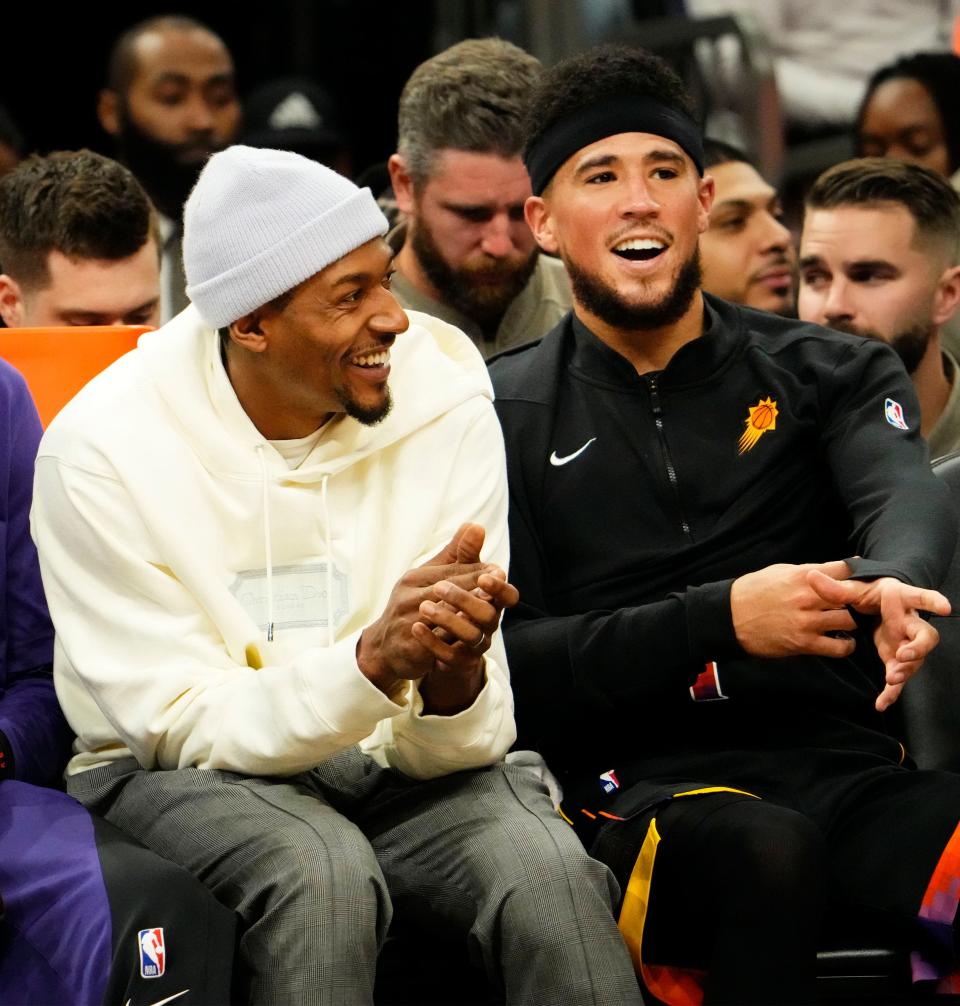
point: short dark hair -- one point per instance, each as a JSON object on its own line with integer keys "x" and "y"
{"x": 79, "y": 203}
{"x": 719, "y": 152}
{"x": 606, "y": 71}
{"x": 472, "y": 96}
{"x": 870, "y": 181}
{"x": 122, "y": 62}
{"x": 939, "y": 73}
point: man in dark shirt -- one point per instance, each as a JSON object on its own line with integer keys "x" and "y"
{"x": 686, "y": 478}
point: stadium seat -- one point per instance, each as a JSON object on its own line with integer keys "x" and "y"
{"x": 58, "y": 361}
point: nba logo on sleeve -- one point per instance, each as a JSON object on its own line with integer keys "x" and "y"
{"x": 153, "y": 953}
{"x": 894, "y": 413}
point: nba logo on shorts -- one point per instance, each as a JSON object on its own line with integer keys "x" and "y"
{"x": 609, "y": 782}
{"x": 894, "y": 413}
{"x": 153, "y": 953}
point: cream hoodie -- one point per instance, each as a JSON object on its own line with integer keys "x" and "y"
{"x": 172, "y": 534}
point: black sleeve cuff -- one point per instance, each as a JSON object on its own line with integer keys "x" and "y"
{"x": 710, "y": 623}
{"x": 868, "y": 569}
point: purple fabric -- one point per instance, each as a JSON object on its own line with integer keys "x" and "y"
{"x": 30, "y": 716}
{"x": 56, "y": 933}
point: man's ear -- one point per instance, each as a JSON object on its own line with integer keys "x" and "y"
{"x": 947, "y": 298}
{"x": 706, "y": 192}
{"x": 248, "y": 332}
{"x": 11, "y": 302}
{"x": 108, "y": 111}
{"x": 402, "y": 183}
{"x": 537, "y": 214}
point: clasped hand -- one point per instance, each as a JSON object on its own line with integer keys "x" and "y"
{"x": 787, "y": 610}
{"x": 437, "y": 625}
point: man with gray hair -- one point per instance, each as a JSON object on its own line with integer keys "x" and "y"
{"x": 464, "y": 250}
{"x": 278, "y": 643}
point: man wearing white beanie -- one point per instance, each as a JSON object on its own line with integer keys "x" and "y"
{"x": 277, "y": 640}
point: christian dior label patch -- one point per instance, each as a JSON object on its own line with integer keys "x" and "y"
{"x": 761, "y": 418}
{"x": 153, "y": 953}
{"x": 299, "y": 595}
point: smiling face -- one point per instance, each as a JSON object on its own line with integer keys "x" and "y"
{"x": 863, "y": 271}
{"x": 747, "y": 254}
{"x": 625, "y": 214}
{"x": 325, "y": 349}
{"x": 902, "y": 120}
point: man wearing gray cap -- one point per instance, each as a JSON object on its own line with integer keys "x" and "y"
{"x": 278, "y": 641}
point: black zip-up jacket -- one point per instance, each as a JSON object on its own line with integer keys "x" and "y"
{"x": 635, "y": 501}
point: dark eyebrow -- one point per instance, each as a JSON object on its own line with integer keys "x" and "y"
{"x": 808, "y": 260}
{"x": 870, "y": 263}
{"x": 665, "y": 155}
{"x": 353, "y": 277}
{"x": 171, "y": 77}
{"x": 477, "y": 207}
{"x": 605, "y": 160}
{"x": 734, "y": 204}
{"x": 78, "y": 312}
{"x": 598, "y": 161}
{"x": 146, "y": 306}
{"x": 467, "y": 207}
{"x": 365, "y": 277}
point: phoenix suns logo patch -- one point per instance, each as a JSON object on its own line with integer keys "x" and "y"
{"x": 762, "y": 419}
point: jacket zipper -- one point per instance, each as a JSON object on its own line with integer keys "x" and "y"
{"x": 665, "y": 450}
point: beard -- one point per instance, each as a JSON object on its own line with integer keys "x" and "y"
{"x": 607, "y": 304}
{"x": 481, "y": 293}
{"x": 909, "y": 344}
{"x": 368, "y": 415}
{"x": 168, "y": 171}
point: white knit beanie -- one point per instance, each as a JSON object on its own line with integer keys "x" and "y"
{"x": 258, "y": 222}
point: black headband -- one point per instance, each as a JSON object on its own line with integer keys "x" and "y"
{"x": 622, "y": 114}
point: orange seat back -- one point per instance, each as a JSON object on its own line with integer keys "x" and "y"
{"x": 58, "y": 361}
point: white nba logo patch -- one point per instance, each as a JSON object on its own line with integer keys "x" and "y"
{"x": 894, "y": 414}
{"x": 153, "y": 953}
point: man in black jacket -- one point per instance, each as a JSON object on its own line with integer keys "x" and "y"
{"x": 687, "y": 477}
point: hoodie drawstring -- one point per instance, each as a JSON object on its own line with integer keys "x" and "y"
{"x": 267, "y": 547}
{"x": 326, "y": 531}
